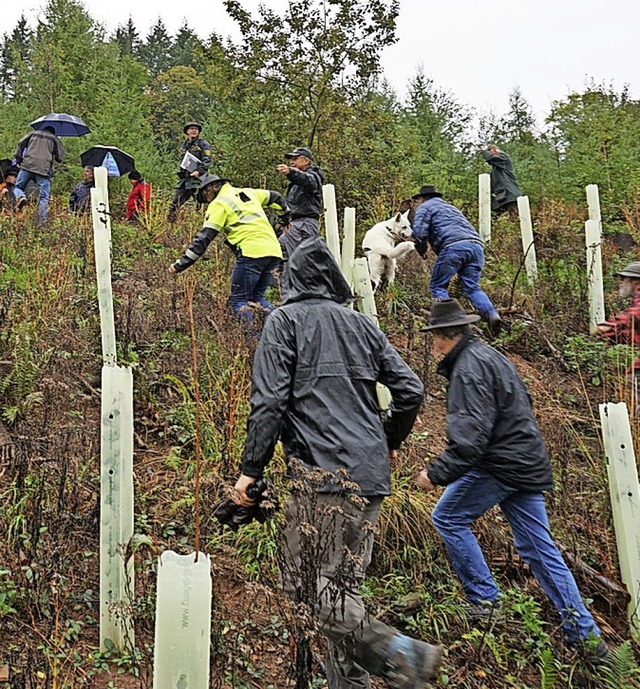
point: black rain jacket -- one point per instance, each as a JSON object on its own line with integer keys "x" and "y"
{"x": 490, "y": 422}
{"x": 304, "y": 195}
{"x": 314, "y": 380}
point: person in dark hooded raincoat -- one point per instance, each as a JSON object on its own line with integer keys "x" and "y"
{"x": 504, "y": 186}
{"x": 314, "y": 387}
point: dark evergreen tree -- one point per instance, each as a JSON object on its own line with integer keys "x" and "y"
{"x": 15, "y": 51}
{"x": 156, "y": 50}
{"x": 128, "y": 39}
{"x": 440, "y": 137}
{"x": 186, "y": 48}
{"x": 519, "y": 124}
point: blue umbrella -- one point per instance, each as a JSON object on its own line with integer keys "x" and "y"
{"x": 63, "y": 124}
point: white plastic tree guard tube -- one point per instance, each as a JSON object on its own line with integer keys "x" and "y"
{"x": 367, "y": 306}
{"x": 349, "y": 244}
{"x": 484, "y": 206}
{"x": 116, "y": 507}
{"x": 102, "y": 248}
{"x": 528, "y": 244}
{"x": 593, "y": 240}
{"x": 625, "y": 501}
{"x": 331, "y": 221}
{"x": 183, "y": 622}
{"x": 593, "y": 203}
{"x": 101, "y": 181}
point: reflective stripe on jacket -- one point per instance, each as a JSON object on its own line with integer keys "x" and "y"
{"x": 239, "y": 215}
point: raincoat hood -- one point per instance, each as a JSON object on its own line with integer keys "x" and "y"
{"x": 312, "y": 273}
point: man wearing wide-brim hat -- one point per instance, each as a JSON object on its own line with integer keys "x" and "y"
{"x": 624, "y": 327}
{"x": 458, "y": 248}
{"x": 495, "y": 455}
{"x": 304, "y": 197}
{"x": 195, "y": 161}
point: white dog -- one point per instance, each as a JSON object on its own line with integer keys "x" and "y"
{"x": 383, "y": 244}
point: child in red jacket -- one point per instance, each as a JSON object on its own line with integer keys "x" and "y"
{"x": 139, "y": 198}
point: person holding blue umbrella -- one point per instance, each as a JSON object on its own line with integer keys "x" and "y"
{"x": 62, "y": 123}
{"x": 35, "y": 154}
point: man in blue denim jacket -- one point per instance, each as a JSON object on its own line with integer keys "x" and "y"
{"x": 459, "y": 250}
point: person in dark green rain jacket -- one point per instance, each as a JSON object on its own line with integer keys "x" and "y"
{"x": 504, "y": 186}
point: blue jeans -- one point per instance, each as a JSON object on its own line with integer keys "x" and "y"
{"x": 44, "y": 190}
{"x": 468, "y": 498}
{"x": 467, "y": 260}
{"x": 249, "y": 282}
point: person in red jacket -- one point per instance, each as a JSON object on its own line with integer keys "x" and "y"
{"x": 624, "y": 327}
{"x": 139, "y": 198}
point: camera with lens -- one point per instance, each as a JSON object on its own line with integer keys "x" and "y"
{"x": 234, "y": 516}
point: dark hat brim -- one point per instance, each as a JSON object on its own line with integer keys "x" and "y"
{"x": 427, "y": 196}
{"x": 627, "y": 274}
{"x": 288, "y": 156}
{"x": 461, "y": 320}
{"x": 192, "y": 124}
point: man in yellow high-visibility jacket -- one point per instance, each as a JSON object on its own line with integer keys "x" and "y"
{"x": 239, "y": 215}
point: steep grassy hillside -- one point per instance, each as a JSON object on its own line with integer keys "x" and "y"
{"x": 50, "y": 364}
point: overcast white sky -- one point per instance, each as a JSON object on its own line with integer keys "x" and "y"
{"x": 476, "y": 49}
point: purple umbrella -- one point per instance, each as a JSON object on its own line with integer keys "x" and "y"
{"x": 63, "y": 124}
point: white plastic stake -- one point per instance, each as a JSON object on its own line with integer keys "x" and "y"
{"x": 593, "y": 203}
{"x": 593, "y": 234}
{"x": 102, "y": 248}
{"x": 625, "y": 501}
{"x": 183, "y": 622}
{"x": 484, "y": 206}
{"x": 331, "y": 220}
{"x": 101, "y": 181}
{"x": 116, "y": 506}
{"x": 349, "y": 244}
{"x": 528, "y": 245}
{"x": 367, "y": 306}
{"x": 594, "y": 272}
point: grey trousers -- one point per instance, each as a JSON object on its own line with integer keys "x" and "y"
{"x": 300, "y": 229}
{"x": 327, "y": 544}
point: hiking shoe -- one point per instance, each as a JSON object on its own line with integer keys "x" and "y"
{"x": 411, "y": 664}
{"x": 484, "y": 611}
{"x": 594, "y": 651}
